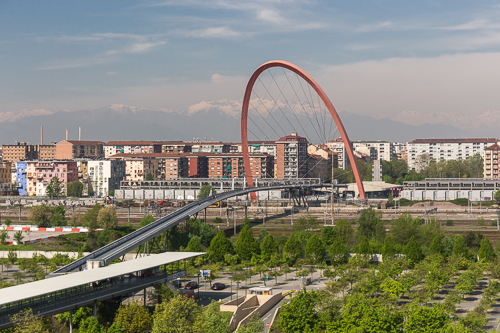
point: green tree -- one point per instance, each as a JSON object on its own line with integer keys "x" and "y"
{"x": 255, "y": 324}
{"x": 300, "y": 313}
{"x": 18, "y": 236}
{"x": 180, "y": 315}
{"x": 364, "y": 247}
{"x": 246, "y": 244}
{"x": 214, "y": 320}
{"x": 315, "y": 249}
{"x": 413, "y": 251}
{"x": 328, "y": 235}
{"x": 116, "y": 328}
{"x": 426, "y": 319}
{"x": 89, "y": 220}
{"x": 107, "y": 218}
{"x": 393, "y": 288}
{"x": 55, "y": 188}
{"x": 12, "y": 256}
{"x": 194, "y": 245}
{"x": 75, "y": 189}
{"x": 460, "y": 248}
{"x": 388, "y": 250}
{"x": 59, "y": 217}
{"x": 339, "y": 253}
{"x": 91, "y": 325}
{"x": 205, "y": 192}
{"x": 220, "y": 246}
{"x": 3, "y": 237}
{"x": 26, "y": 322}
{"x": 496, "y": 196}
{"x": 268, "y": 247}
{"x": 486, "y": 252}
{"x": 149, "y": 176}
{"x": 146, "y": 220}
{"x": 8, "y": 222}
{"x": 436, "y": 246}
{"x": 41, "y": 216}
{"x": 344, "y": 231}
{"x": 370, "y": 225}
{"x": 465, "y": 283}
{"x": 134, "y": 318}
{"x": 292, "y": 250}
{"x": 405, "y": 227}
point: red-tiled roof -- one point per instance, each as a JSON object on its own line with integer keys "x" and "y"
{"x": 78, "y": 142}
{"x": 292, "y": 138}
{"x": 493, "y": 147}
{"x": 131, "y": 143}
{"x": 472, "y": 140}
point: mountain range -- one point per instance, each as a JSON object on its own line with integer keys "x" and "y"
{"x": 219, "y": 120}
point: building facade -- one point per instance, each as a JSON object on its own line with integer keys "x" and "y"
{"x": 291, "y": 157}
{"x": 70, "y": 149}
{"x": 21, "y": 180}
{"x": 139, "y": 168}
{"x": 105, "y": 175}
{"x": 5, "y": 177}
{"x": 231, "y": 166}
{"x": 19, "y": 151}
{"x": 445, "y": 149}
{"x": 131, "y": 147}
{"x": 40, "y": 173}
{"x": 383, "y": 149}
{"x": 47, "y": 152}
{"x": 490, "y": 164}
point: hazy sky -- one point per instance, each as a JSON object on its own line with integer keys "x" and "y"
{"x": 372, "y": 57}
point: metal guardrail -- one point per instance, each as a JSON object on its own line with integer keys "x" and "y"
{"x": 116, "y": 249}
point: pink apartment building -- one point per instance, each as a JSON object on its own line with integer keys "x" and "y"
{"x": 39, "y": 174}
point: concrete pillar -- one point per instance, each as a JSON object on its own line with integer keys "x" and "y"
{"x": 95, "y": 309}
{"x": 70, "y": 321}
{"x": 144, "y": 296}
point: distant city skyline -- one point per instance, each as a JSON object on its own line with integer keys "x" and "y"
{"x": 416, "y": 63}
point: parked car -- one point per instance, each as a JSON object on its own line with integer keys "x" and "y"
{"x": 177, "y": 284}
{"x": 191, "y": 285}
{"x": 188, "y": 294}
{"x": 218, "y": 286}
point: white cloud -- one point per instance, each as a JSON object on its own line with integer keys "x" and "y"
{"x": 110, "y": 73}
{"x": 213, "y": 32}
{"x": 142, "y": 47}
{"x": 271, "y": 16}
{"x": 375, "y": 27}
{"x": 75, "y": 63}
{"x": 217, "y": 78}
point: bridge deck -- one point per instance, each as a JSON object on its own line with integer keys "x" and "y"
{"x": 65, "y": 292}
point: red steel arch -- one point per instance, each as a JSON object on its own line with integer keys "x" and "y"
{"x": 324, "y": 97}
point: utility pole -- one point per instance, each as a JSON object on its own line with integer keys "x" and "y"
{"x": 333, "y": 186}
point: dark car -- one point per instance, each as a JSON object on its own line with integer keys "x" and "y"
{"x": 177, "y": 284}
{"x": 218, "y": 286}
{"x": 191, "y": 285}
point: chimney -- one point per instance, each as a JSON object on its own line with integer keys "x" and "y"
{"x": 66, "y": 134}
{"x": 79, "y": 134}
{"x": 41, "y": 136}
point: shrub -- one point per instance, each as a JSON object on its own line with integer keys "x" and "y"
{"x": 449, "y": 223}
{"x": 217, "y": 220}
{"x": 460, "y": 201}
{"x": 480, "y": 221}
{"x": 493, "y": 223}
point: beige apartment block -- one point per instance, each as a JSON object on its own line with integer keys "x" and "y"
{"x": 137, "y": 169}
{"x": 70, "y": 149}
{"x": 490, "y": 156}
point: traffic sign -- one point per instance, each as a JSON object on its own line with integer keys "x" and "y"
{"x": 205, "y": 272}
{"x": 267, "y": 324}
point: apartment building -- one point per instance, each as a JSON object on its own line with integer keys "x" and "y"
{"x": 131, "y": 147}
{"x": 19, "y": 151}
{"x": 166, "y": 166}
{"x": 21, "y": 180}
{"x": 5, "y": 177}
{"x": 138, "y": 168}
{"x": 209, "y": 147}
{"x": 319, "y": 167}
{"x": 40, "y": 173}
{"x": 383, "y": 149}
{"x": 257, "y": 147}
{"x": 291, "y": 156}
{"x": 399, "y": 151}
{"x": 106, "y": 175}
{"x": 446, "y": 149}
{"x": 47, "y": 152}
{"x": 490, "y": 157}
{"x": 231, "y": 166}
{"x": 338, "y": 147}
{"x": 176, "y": 147}
{"x": 197, "y": 164}
{"x": 70, "y": 149}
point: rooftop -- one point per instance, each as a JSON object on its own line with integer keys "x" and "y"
{"x": 472, "y": 140}
{"x": 50, "y": 285}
